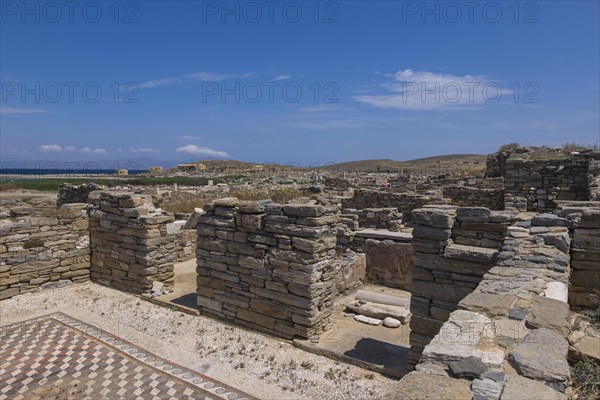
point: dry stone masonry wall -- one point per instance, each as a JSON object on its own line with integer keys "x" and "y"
{"x": 404, "y": 202}
{"x": 584, "y": 290}
{"x": 507, "y": 340}
{"x": 268, "y": 266}
{"x": 131, "y": 248}
{"x": 454, "y": 248}
{"x": 466, "y": 196}
{"x": 542, "y": 182}
{"x": 41, "y": 246}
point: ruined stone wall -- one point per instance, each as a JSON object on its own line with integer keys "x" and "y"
{"x": 584, "y": 290}
{"x": 378, "y": 218}
{"x": 508, "y": 338}
{"x": 466, "y": 196}
{"x": 389, "y": 263}
{"x": 185, "y": 244}
{"x": 267, "y": 266}
{"x": 404, "y": 202}
{"x": 131, "y": 247}
{"x": 41, "y": 246}
{"x": 68, "y": 193}
{"x": 454, "y": 248}
{"x": 541, "y": 182}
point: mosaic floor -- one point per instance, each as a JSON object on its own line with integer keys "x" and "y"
{"x": 59, "y": 357}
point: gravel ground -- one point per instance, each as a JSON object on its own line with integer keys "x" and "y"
{"x": 263, "y": 366}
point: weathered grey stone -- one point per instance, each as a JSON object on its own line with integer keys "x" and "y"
{"x": 491, "y": 304}
{"x": 443, "y": 219}
{"x": 542, "y": 356}
{"x": 549, "y": 313}
{"x": 520, "y": 388}
{"x": 518, "y": 313}
{"x": 473, "y": 214}
{"x": 550, "y": 220}
{"x": 486, "y": 389}
{"x": 427, "y": 232}
{"x": 304, "y": 210}
{"x": 471, "y": 253}
{"x": 470, "y": 367}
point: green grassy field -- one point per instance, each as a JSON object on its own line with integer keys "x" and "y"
{"x": 51, "y": 185}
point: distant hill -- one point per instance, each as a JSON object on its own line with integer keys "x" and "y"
{"x": 436, "y": 162}
{"x": 234, "y": 166}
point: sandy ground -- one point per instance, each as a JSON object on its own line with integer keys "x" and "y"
{"x": 263, "y": 366}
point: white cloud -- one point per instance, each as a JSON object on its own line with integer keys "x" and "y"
{"x": 55, "y": 148}
{"x": 89, "y": 150}
{"x": 282, "y": 77}
{"x": 193, "y": 149}
{"x": 51, "y": 148}
{"x": 423, "y": 90}
{"x": 190, "y": 78}
{"x": 143, "y": 150}
{"x": 21, "y": 111}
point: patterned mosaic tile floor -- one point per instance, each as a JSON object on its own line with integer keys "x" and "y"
{"x": 59, "y": 357}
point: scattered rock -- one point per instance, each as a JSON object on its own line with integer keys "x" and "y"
{"x": 367, "y": 320}
{"x": 391, "y": 322}
{"x": 518, "y": 313}
{"x": 486, "y": 389}
{"x": 470, "y": 367}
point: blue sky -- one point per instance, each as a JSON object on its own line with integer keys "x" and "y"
{"x": 345, "y": 80}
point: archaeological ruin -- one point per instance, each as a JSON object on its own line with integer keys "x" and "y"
{"x": 493, "y": 266}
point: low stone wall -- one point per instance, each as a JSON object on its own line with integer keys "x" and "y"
{"x": 389, "y": 263}
{"x": 453, "y": 250}
{"x": 466, "y": 196}
{"x": 507, "y": 340}
{"x": 68, "y": 193}
{"x": 404, "y": 202}
{"x": 131, "y": 247}
{"x": 378, "y": 218}
{"x": 267, "y": 266}
{"x": 41, "y": 246}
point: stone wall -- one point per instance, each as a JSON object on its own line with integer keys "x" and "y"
{"x": 466, "y": 196}
{"x": 584, "y": 289}
{"x": 542, "y": 182}
{"x": 377, "y": 218}
{"x": 185, "y": 244}
{"x": 404, "y": 202}
{"x": 131, "y": 247}
{"x": 454, "y": 248}
{"x": 41, "y": 246}
{"x": 268, "y": 266}
{"x": 68, "y": 193}
{"x": 389, "y": 263}
{"x": 508, "y": 338}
